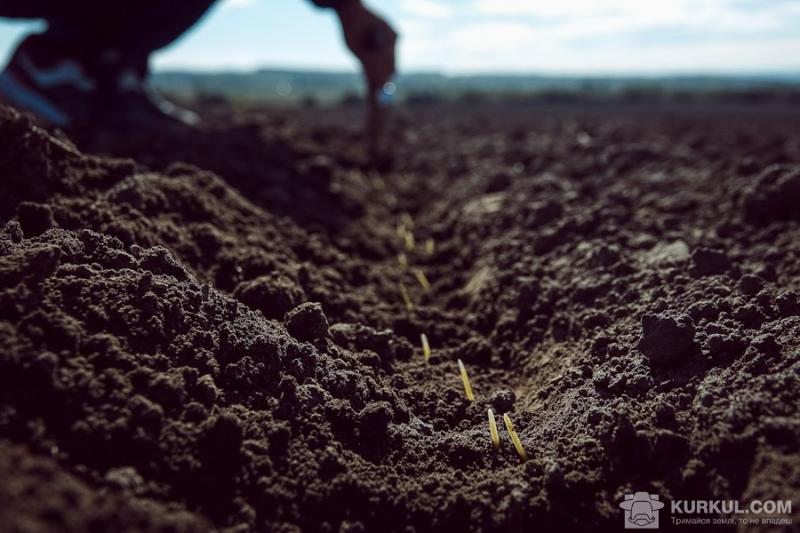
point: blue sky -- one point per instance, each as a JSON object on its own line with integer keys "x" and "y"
{"x": 467, "y": 36}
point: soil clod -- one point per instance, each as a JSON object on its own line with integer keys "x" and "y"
{"x": 307, "y": 322}
{"x": 667, "y": 337}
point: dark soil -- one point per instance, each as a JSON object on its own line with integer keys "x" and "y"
{"x": 213, "y": 334}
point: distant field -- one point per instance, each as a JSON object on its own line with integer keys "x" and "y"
{"x": 420, "y": 88}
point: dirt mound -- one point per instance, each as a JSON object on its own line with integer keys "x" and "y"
{"x": 224, "y": 331}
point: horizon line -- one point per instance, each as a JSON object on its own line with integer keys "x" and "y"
{"x": 787, "y": 73}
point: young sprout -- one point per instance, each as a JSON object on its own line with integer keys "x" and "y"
{"x": 430, "y": 247}
{"x": 406, "y": 220}
{"x": 409, "y": 241}
{"x": 422, "y": 278}
{"x": 401, "y": 230}
{"x": 465, "y": 379}
{"x": 406, "y": 298}
{"x": 426, "y": 348}
{"x": 515, "y": 437}
{"x": 493, "y": 431}
{"x": 403, "y": 260}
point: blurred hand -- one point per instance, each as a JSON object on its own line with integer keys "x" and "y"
{"x": 371, "y": 39}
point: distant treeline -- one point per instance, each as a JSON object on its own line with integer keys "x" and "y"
{"x": 428, "y": 88}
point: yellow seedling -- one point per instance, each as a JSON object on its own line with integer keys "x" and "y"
{"x": 409, "y": 240}
{"x": 406, "y": 298}
{"x": 401, "y": 230}
{"x": 465, "y": 379}
{"x": 403, "y": 260}
{"x": 430, "y": 247}
{"x": 493, "y": 431}
{"x": 422, "y": 278}
{"x": 407, "y": 221}
{"x": 515, "y": 437}
{"x": 426, "y": 348}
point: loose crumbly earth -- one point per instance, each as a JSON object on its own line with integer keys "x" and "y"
{"x": 212, "y": 334}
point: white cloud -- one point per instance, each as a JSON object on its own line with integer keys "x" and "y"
{"x": 430, "y": 9}
{"x": 591, "y": 8}
{"x": 598, "y": 17}
{"x": 493, "y": 37}
{"x": 611, "y": 36}
{"x": 528, "y": 53}
{"x": 561, "y": 36}
{"x": 237, "y": 4}
{"x": 546, "y": 9}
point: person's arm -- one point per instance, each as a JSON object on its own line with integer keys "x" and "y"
{"x": 370, "y": 38}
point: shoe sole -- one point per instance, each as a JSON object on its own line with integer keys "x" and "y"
{"x": 19, "y": 95}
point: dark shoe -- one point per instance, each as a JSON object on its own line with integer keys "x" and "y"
{"x": 72, "y": 93}
{"x": 132, "y": 102}
{"x": 58, "y": 90}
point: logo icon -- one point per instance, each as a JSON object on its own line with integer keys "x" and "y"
{"x": 641, "y": 510}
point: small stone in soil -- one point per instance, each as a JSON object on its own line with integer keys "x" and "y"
{"x": 667, "y": 337}
{"x": 708, "y": 262}
{"x": 307, "y": 322}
